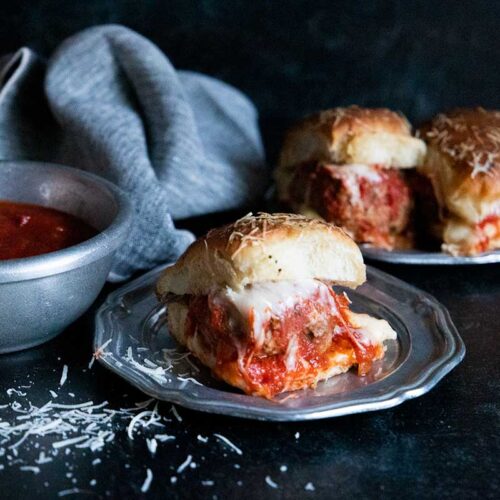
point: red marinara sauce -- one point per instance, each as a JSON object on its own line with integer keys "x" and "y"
{"x": 493, "y": 221}
{"x": 28, "y": 230}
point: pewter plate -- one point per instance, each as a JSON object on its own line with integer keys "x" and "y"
{"x": 426, "y": 258}
{"x": 133, "y": 341}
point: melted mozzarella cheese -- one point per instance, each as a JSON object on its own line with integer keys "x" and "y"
{"x": 462, "y": 238}
{"x": 365, "y": 171}
{"x": 351, "y": 175}
{"x": 374, "y": 331}
{"x": 261, "y": 301}
{"x": 273, "y": 298}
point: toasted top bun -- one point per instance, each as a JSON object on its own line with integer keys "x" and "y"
{"x": 463, "y": 162}
{"x": 350, "y": 135}
{"x": 265, "y": 247}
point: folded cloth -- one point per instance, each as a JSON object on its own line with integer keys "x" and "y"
{"x": 110, "y": 102}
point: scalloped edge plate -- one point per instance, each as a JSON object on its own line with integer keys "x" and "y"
{"x": 131, "y": 326}
{"x": 419, "y": 257}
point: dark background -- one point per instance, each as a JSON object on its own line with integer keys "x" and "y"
{"x": 291, "y": 58}
{"x": 297, "y": 56}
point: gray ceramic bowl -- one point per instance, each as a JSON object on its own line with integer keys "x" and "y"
{"x": 40, "y": 296}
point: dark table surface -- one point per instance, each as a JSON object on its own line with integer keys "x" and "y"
{"x": 442, "y": 445}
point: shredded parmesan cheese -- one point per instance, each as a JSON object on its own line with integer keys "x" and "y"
{"x": 140, "y": 419}
{"x": 164, "y": 437}
{"x": 68, "y": 442}
{"x": 184, "y": 464}
{"x": 42, "y": 459}
{"x": 64, "y": 375}
{"x": 147, "y": 481}
{"x": 71, "y": 491}
{"x": 229, "y": 443}
{"x": 176, "y": 413}
{"x": 152, "y": 445}
{"x": 271, "y": 483}
{"x": 16, "y": 392}
{"x": 29, "y": 468}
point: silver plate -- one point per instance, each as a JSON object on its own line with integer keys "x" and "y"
{"x": 137, "y": 346}
{"x": 426, "y": 258}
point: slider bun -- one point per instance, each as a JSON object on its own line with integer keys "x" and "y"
{"x": 265, "y": 247}
{"x": 463, "y": 162}
{"x": 346, "y": 136}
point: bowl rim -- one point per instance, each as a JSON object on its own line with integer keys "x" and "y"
{"x": 75, "y": 256}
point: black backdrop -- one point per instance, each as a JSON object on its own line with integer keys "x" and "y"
{"x": 293, "y": 57}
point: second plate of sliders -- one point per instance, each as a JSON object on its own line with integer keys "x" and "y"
{"x": 430, "y": 196}
{"x": 132, "y": 339}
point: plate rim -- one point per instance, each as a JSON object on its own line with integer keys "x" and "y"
{"x": 426, "y": 380}
{"x": 420, "y": 257}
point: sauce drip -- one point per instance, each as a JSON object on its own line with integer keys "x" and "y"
{"x": 28, "y": 230}
{"x": 265, "y": 367}
{"x": 489, "y": 230}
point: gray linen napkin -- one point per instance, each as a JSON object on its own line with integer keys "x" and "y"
{"x": 110, "y": 102}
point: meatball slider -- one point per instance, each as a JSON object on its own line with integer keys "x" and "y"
{"x": 463, "y": 166}
{"x": 253, "y": 302}
{"x": 343, "y": 165}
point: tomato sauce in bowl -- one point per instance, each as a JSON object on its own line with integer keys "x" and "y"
{"x": 28, "y": 230}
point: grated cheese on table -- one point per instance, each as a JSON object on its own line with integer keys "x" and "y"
{"x": 147, "y": 481}
{"x": 152, "y": 445}
{"x": 65, "y": 429}
{"x": 68, "y": 442}
{"x": 164, "y": 437}
{"x": 271, "y": 483}
{"x": 176, "y": 413}
{"x": 184, "y": 464}
{"x": 88, "y": 428}
{"x": 229, "y": 443}
{"x": 64, "y": 375}
{"x": 30, "y": 468}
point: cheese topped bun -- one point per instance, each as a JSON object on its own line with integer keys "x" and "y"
{"x": 463, "y": 165}
{"x": 266, "y": 247}
{"x": 253, "y": 302}
{"x": 350, "y": 135}
{"x": 345, "y": 166}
